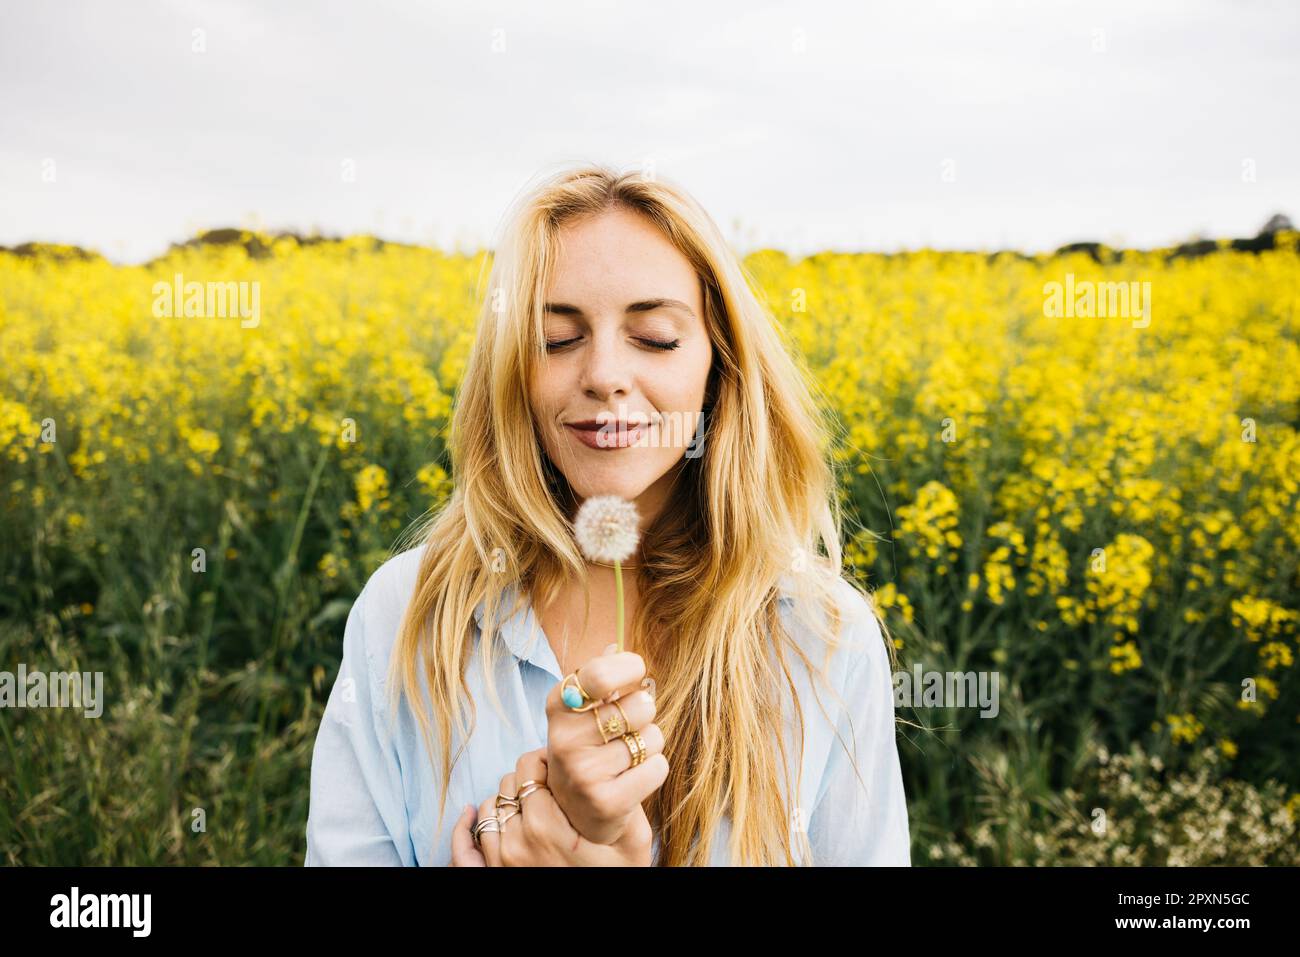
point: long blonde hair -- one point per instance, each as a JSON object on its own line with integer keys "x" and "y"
{"x": 763, "y": 488}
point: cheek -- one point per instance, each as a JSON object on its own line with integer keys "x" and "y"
{"x": 548, "y": 392}
{"x": 681, "y": 391}
{"x": 546, "y": 410}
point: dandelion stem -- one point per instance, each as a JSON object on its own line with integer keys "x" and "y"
{"x": 618, "y": 600}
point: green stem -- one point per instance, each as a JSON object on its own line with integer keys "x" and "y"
{"x": 618, "y": 600}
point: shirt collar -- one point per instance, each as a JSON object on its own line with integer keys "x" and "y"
{"x": 522, "y": 633}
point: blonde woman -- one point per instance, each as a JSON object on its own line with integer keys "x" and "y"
{"x": 620, "y": 351}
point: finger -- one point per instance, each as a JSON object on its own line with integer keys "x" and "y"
{"x": 602, "y": 676}
{"x": 615, "y": 759}
{"x": 531, "y": 766}
{"x": 546, "y": 827}
{"x": 490, "y": 841}
{"x": 509, "y": 845}
{"x": 463, "y": 851}
{"x": 647, "y": 682}
{"x": 537, "y": 809}
{"x": 636, "y": 784}
{"x": 604, "y": 723}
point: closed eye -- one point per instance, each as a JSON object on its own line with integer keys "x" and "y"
{"x": 661, "y": 345}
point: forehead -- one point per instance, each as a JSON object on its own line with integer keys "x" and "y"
{"x": 616, "y": 257}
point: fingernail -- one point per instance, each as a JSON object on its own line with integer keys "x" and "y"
{"x": 612, "y": 646}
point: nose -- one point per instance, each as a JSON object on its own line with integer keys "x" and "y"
{"x": 605, "y": 370}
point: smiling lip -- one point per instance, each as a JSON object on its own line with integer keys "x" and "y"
{"x": 615, "y": 435}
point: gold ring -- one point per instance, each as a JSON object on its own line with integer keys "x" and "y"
{"x": 577, "y": 686}
{"x": 527, "y": 788}
{"x": 611, "y": 727}
{"x": 635, "y": 746}
{"x": 487, "y": 824}
{"x": 513, "y": 812}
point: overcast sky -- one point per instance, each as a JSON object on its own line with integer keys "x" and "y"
{"x": 126, "y": 126}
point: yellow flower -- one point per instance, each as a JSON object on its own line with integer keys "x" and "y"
{"x": 1125, "y": 657}
{"x": 888, "y": 596}
{"x": 434, "y": 482}
{"x": 1184, "y": 728}
{"x": 372, "y": 488}
{"x": 1275, "y": 655}
{"x": 203, "y": 442}
{"x": 1117, "y": 585}
{"x": 929, "y": 525}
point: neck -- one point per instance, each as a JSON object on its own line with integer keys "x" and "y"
{"x": 576, "y": 639}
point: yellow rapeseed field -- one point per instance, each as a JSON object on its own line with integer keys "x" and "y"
{"x": 1102, "y": 508}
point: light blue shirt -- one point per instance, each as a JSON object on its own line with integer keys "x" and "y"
{"x": 374, "y": 791}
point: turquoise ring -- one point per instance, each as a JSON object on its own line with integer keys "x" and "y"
{"x": 573, "y": 695}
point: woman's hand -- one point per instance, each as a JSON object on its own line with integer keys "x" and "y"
{"x": 537, "y": 833}
{"x": 592, "y": 779}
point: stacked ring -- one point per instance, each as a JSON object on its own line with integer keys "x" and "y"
{"x": 516, "y": 805}
{"x": 512, "y": 803}
{"x": 528, "y": 788}
{"x": 612, "y": 727}
{"x": 635, "y": 746}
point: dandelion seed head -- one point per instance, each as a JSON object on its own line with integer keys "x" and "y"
{"x": 607, "y": 528}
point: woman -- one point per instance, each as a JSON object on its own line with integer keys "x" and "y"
{"x": 621, "y": 352}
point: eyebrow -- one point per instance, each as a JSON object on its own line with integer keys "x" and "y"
{"x": 644, "y": 305}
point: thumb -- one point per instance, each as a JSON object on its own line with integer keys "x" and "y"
{"x": 463, "y": 851}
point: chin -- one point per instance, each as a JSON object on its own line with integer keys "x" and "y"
{"x": 610, "y": 482}
{"x": 625, "y": 490}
